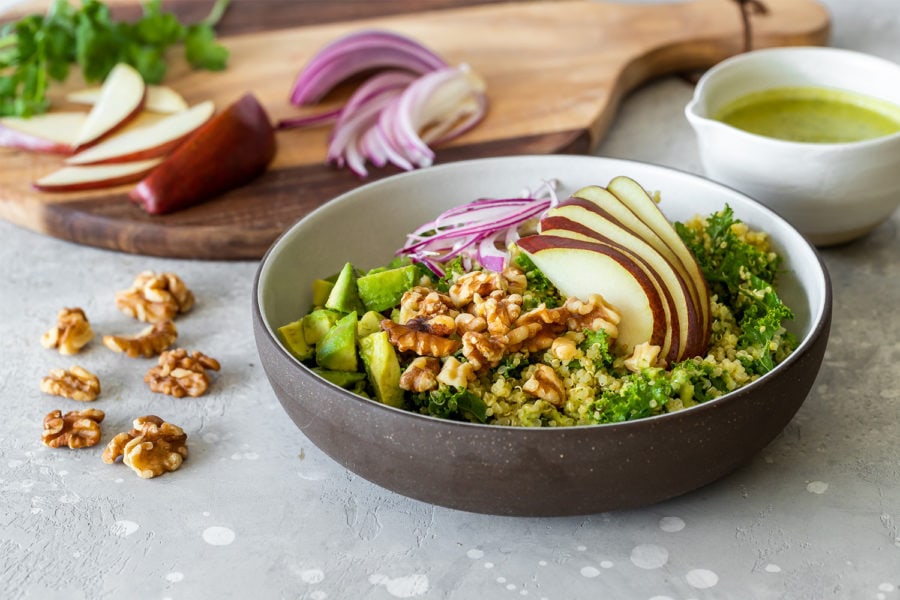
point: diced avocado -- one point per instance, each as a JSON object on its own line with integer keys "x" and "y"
{"x": 345, "y": 379}
{"x": 369, "y": 323}
{"x": 382, "y": 368}
{"x": 337, "y": 348}
{"x": 382, "y": 290}
{"x": 293, "y": 337}
{"x": 316, "y": 323}
{"x": 344, "y": 296}
{"x": 321, "y": 288}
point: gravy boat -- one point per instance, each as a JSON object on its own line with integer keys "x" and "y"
{"x": 831, "y": 192}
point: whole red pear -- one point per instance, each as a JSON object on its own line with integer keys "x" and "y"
{"x": 228, "y": 151}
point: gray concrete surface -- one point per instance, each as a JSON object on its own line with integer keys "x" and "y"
{"x": 258, "y": 512}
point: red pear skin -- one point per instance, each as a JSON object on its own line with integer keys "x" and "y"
{"x": 611, "y": 208}
{"x": 569, "y": 270}
{"x": 564, "y": 227}
{"x": 636, "y": 198}
{"x": 228, "y": 151}
{"x": 686, "y": 314}
{"x": 10, "y": 138}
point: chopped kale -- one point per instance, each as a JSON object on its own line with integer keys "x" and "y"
{"x": 642, "y": 395}
{"x": 451, "y": 403}
{"x": 512, "y": 365}
{"x": 540, "y": 289}
{"x": 596, "y": 347}
{"x": 452, "y": 270}
{"x": 742, "y": 276}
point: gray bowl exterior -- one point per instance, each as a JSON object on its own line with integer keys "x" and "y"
{"x": 540, "y": 472}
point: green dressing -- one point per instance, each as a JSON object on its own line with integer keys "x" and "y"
{"x": 811, "y": 114}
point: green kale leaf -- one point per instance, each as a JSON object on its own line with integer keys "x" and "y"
{"x": 540, "y": 289}
{"x": 742, "y": 277}
{"x": 642, "y": 395}
{"x": 449, "y": 402}
{"x": 596, "y": 347}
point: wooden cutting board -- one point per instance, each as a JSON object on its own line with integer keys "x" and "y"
{"x": 556, "y": 72}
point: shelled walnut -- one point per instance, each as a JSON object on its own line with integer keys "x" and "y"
{"x": 75, "y": 383}
{"x": 75, "y": 429}
{"x": 153, "y": 447}
{"x": 181, "y": 374}
{"x": 150, "y": 342}
{"x": 155, "y": 297}
{"x": 71, "y": 332}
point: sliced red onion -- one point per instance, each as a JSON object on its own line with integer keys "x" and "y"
{"x": 439, "y": 100}
{"x": 309, "y": 120}
{"x": 476, "y": 230}
{"x": 358, "y": 52}
{"x": 414, "y": 99}
{"x": 359, "y": 115}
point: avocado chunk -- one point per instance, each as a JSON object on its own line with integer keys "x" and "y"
{"x": 344, "y": 296}
{"x": 381, "y": 290}
{"x": 369, "y": 323}
{"x": 321, "y": 288}
{"x": 336, "y": 350}
{"x": 294, "y": 339}
{"x": 316, "y": 323}
{"x": 382, "y": 368}
{"x": 344, "y": 379}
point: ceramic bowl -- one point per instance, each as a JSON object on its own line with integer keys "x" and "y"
{"x": 520, "y": 471}
{"x": 832, "y": 193}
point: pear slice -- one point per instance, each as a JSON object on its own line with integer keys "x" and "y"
{"x": 229, "y": 150}
{"x": 160, "y": 98}
{"x": 586, "y": 219}
{"x": 73, "y": 179}
{"x": 580, "y": 268}
{"x": 636, "y": 198}
{"x": 562, "y": 227}
{"x": 149, "y": 141}
{"x": 680, "y": 325}
{"x": 121, "y": 99}
{"x": 609, "y": 206}
{"x": 52, "y": 133}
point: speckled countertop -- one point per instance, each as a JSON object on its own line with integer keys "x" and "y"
{"x": 258, "y": 512}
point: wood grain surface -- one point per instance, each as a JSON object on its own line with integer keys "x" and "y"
{"x": 556, "y": 72}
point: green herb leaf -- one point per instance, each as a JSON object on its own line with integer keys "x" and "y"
{"x": 201, "y": 49}
{"x": 39, "y": 48}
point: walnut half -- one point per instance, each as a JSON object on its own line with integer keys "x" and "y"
{"x": 155, "y": 297}
{"x": 71, "y": 332}
{"x": 151, "y": 448}
{"x": 75, "y": 383}
{"x": 151, "y": 341}
{"x": 180, "y": 374}
{"x": 75, "y": 429}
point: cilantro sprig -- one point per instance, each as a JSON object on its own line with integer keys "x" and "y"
{"x": 39, "y": 49}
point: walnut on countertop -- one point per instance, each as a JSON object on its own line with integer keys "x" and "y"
{"x": 151, "y": 448}
{"x": 150, "y": 342}
{"x": 71, "y": 332}
{"x": 181, "y": 374}
{"x": 75, "y": 429}
{"x": 76, "y": 383}
{"x": 155, "y": 297}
